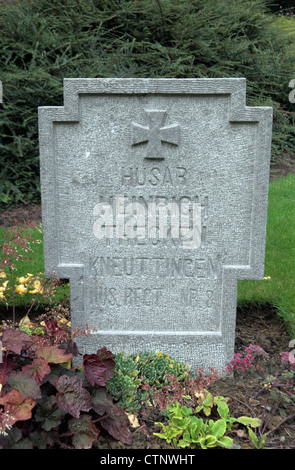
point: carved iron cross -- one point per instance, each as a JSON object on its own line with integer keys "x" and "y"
{"x": 155, "y": 133}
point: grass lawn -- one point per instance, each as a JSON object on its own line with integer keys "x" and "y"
{"x": 279, "y": 257}
{"x": 279, "y": 290}
{"x": 29, "y": 274}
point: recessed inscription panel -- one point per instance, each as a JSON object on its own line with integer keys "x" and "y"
{"x": 150, "y": 207}
{"x": 146, "y": 279}
{"x": 140, "y": 292}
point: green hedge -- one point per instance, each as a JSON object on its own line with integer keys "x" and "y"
{"x": 44, "y": 41}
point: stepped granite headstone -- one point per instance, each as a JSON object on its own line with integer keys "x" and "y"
{"x": 154, "y": 205}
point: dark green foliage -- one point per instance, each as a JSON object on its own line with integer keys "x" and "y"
{"x": 281, "y": 5}
{"x": 44, "y": 41}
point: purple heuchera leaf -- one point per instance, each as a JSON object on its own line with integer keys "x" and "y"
{"x": 48, "y": 413}
{"x": 115, "y": 421}
{"x": 84, "y": 432}
{"x": 14, "y": 340}
{"x": 102, "y": 401}
{"x": 19, "y": 409}
{"x": 108, "y": 359}
{"x": 70, "y": 347}
{"x": 94, "y": 369}
{"x": 55, "y": 331}
{"x": 25, "y": 384}
{"x": 6, "y": 366}
{"x": 117, "y": 424}
{"x": 38, "y": 369}
{"x": 72, "y": 397}
{"x": 53, "y": 354}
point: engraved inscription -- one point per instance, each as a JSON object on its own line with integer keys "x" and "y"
{"x": 106, "y": 273}
{"x": 208, "y": 267}
{"x": 191, "y": 298}
{"x": 104, "y": 296}
{"x": 129, "y": 296}
{"x": 156, "y": 176}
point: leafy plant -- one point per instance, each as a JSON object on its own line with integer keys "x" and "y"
{"x": 258, "y": 443}
{"x": 206, "y": 401}
{"x": 132, "y": 375}
{"x": 185, "y": 429}
{"x": 45, "y": 402}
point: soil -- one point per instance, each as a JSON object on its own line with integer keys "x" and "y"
{"x": 282, "y": 167}
{"x": 259, "y": 326}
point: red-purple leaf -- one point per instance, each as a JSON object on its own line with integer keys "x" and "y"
{"x": 102, "y": 401}
{"x": 108, "y": 359}
{"x": 117, "y": 424}
{"x": 115, "y": 421}
{"x": 38, "y": 369}
{"x": 48, "y": 413}
{"x": 26, "y": 385}
{"x": 19, "y": 409}
{"x": 72, "y": 397}
{"x": 54, "y": 330}
{"x": 70, "y": 347}
{"x": 14, "y": 340}
{"x": 94, "y": 369}
{"x": 54, "y": 355}
{"x": 6, "y": 366}
{"x": 84, "y": 432}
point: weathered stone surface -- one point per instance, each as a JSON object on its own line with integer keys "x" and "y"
{"x": 152, "y": 141}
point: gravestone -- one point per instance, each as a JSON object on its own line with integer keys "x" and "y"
{"x": 154, "y": 205}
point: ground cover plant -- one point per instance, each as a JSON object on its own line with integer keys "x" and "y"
{"x": 185, "y": 429}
